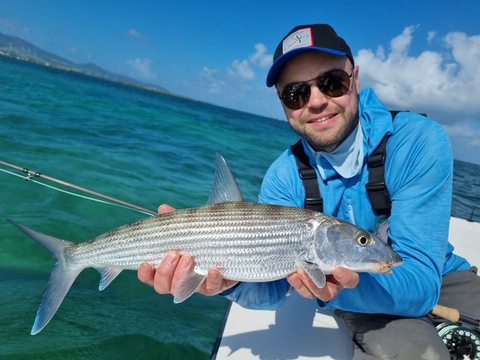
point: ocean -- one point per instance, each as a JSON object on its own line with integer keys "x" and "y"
{"x": 142, "y": 147}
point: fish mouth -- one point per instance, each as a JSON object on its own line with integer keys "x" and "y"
{"x": 386, "y": 267}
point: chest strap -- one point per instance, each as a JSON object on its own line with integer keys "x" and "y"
{"x": 313, "y": 199}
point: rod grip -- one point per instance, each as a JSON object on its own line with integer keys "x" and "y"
{"x": 446, "y": 313}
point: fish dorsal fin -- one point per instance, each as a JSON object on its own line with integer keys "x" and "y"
{"x": 225, "y": 187}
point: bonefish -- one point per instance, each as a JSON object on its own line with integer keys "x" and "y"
{"x": 246, "y": 241}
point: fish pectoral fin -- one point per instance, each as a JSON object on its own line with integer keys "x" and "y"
{"x": 316, "y": 274}
{"x": 187, "y": 287}
{"x": 108, "y": 275}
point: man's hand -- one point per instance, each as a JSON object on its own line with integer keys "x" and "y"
{"x": 174, "y": 267}
{"x": 340, "y": 279}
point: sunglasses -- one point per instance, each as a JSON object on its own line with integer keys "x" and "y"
{"x": 333, "y": 84}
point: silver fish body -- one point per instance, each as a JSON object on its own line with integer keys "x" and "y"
{"x": 245, "y": 241}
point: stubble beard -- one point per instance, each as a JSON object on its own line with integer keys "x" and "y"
{"x": 321, "y": 141}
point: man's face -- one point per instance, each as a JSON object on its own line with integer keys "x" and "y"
{"x": 323, "y": 121}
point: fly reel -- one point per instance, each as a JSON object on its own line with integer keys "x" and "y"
{"x": 462, "y": 342}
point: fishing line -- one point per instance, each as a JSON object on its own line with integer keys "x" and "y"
{"x": 30, "y": 175}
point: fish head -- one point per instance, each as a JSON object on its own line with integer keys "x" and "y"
{"x": 338, "y": 243}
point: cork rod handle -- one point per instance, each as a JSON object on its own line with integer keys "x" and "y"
{"x": 446, "y": 312}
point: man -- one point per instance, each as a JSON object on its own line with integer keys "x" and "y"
{"x": 319, "y": 87}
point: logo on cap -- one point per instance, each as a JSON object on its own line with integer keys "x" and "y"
{"x": 298, "y": 39}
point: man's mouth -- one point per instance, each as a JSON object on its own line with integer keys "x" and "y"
{"x": 322, "y": 119}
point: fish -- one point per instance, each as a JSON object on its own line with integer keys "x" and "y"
{"x": 246, "y": 241}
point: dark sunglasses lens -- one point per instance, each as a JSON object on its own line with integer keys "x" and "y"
{"x": 295, "y": 96}
{"x": 335, "y": 83}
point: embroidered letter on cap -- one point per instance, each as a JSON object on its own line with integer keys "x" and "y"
{"x": 300, "y": 38}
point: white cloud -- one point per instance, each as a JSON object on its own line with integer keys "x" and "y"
{"x": 444, "y": 83}
{"x": 241, "y": 70}
{"x": 465, "y": 137}
{"x": 431, "y": 36}
{"x": 401, "y": 43}
{"x": 211, "y": 80}
{"x": 235, "y": 81}
{"x": 466, "y": 52}
{"x": 142, "y": 68}
{"x": 136, "y": 35}
{"x": 261, "y": 58}
{"x": 441, "y": 82}
{"x": 464, "y": 131}
{"x": 244, "y": 69}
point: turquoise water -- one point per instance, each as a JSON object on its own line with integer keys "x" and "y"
{"x": 142, "y": 147}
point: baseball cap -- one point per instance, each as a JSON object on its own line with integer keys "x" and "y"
{"x": 306, "y": 38}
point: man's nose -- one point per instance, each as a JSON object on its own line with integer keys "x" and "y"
{"x": 317, "y": 98}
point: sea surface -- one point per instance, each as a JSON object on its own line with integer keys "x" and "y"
{"x": 139, "y": 146}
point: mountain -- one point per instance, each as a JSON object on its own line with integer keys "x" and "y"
{"x": 14, "y": 47}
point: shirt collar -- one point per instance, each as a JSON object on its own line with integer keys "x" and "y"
{"x": 347, "y": 158}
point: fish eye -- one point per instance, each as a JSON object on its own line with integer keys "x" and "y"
{"x": 363, "y": 239}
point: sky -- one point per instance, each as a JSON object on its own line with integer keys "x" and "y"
{"x": 417, "y": 55}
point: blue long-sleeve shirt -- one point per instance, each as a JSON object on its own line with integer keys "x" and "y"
{"x": 418, "y": 174}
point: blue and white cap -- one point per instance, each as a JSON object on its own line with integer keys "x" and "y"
{"x": 306, "y": 38}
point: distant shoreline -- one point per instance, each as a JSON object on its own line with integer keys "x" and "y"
{"x": 73, "y": 69}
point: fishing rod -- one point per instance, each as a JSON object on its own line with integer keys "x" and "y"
{"x": 30, "y": 175}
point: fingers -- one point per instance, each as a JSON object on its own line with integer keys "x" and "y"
{"x": 346, "y": 278}
{"x": 297, "y": 283}
{"x": 173, "y": 269}
{"x": 213, "y": 284}
{"x": 181, "y": 269}
{"x": 146, "y": 273}
{"x": 164, "y": 208}
{"x": 160, "y": 279}
{"x": 163, "y": 279}
{"x": 341, "y": 278}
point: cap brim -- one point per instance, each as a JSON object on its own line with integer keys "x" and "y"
{"x": 282, "y": 60}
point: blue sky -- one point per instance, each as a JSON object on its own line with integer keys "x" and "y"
{"x": 418, "y": 55}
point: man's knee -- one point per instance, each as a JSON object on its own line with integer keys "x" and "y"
{"x": 391, "y": 337}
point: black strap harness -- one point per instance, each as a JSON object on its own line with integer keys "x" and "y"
{"x": 376, "y": 188}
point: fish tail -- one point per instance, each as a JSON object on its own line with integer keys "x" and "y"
{"x": 61, "y": 279}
